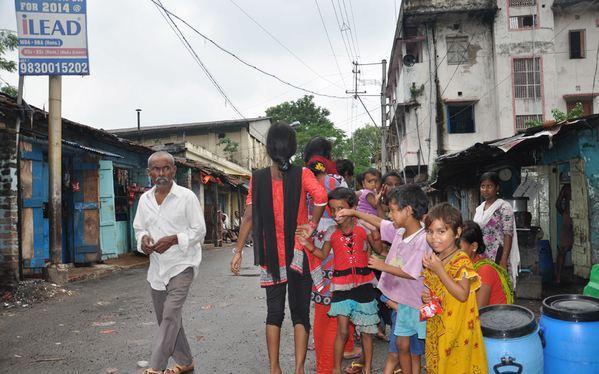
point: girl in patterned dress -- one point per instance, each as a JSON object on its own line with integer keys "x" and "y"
{"x": 454, "y": 340}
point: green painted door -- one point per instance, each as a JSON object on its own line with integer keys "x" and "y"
{"x": 108, "y": 242}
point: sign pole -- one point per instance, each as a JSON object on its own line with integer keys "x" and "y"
{"x": 52, "y": 40}
{"x": 55, "y": 167}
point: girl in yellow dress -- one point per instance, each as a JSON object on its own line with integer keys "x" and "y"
{"x": 454, "y": 341}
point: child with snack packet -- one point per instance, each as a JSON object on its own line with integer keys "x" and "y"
{"x": 454, "y": 341}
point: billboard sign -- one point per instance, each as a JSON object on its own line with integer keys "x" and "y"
{"x": 52, "y": 37}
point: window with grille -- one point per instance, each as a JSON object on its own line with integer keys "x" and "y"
{"x": 519, "y": 3}
{"x": 526, "y": 121}
{"x": 576, "y": 39}
{"x": 413, "y": 45}
{"x": 527, "y": 78}
{"x": 457, "y": 50}
{"x": 523, "y": 22}
{"x": 460, "y": 118}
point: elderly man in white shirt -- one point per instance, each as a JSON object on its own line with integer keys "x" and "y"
{"x": 169, "y": 227}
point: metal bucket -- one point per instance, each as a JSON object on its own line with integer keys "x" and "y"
{"x": 519, "y": 204}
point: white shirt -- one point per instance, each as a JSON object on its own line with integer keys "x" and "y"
{"x": 179, "y": 214}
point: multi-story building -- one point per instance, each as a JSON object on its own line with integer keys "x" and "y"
{"x": 219, "y": 143}
{"x": 470, "y": 71}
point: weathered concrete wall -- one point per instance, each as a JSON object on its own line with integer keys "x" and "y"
{"x": 9, "y": 241}
{"x": 574, "y": 76}
{"x": 444, "y": 6}
{"x": 250, "y": 152}
{"x": 469, "y": 81}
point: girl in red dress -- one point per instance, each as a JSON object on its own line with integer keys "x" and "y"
{"x": 354, "y": 296}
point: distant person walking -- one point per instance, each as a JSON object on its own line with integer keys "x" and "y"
{"x": 169, "y": 227}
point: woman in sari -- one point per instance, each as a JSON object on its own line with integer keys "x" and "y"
{"x": 496, "y": 219}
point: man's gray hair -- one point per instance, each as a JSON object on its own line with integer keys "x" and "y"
{"x": 161, "y": 154}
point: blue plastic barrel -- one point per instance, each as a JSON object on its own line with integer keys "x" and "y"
{"x": 512, "y": 340}
{"x": 545, "y": 261}
{"x": 570, "y": 325}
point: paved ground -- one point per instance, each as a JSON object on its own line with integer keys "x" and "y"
{"x": 108, "y": 324}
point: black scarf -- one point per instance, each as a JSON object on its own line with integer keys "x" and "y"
{"x": 263, "y": 221}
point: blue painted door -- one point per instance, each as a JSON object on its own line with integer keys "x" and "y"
{"x": 85, "y": 204}
{"x": 38, "y": 202}
{"x": 108, "y": 237}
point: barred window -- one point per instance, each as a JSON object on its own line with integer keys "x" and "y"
{"x": 527, "y": 78}
{"x": 526, "y": 121}
{"x": 517, "y": 3}
{"x": 523, "y": 22}
{"x": 457, "y": 50}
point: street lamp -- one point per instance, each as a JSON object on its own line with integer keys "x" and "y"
{"x": 138, "y": 123}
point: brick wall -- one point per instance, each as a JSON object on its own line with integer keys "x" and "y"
{"x": 9, "y": 241}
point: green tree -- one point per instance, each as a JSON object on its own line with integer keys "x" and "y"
{"x": 230, "y": 147}
{"x": 364, "y": 147}
{"x": 313, "y": 122}
{"x": 8, "y": 42}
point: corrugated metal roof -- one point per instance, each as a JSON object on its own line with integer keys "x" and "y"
{"x": 90, "y": 149}
{"x": 465, "y": 164}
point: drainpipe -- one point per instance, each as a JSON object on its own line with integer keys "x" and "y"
{"x": 439, "y": 104}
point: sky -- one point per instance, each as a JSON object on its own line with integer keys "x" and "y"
{"x": 137, "y": 61}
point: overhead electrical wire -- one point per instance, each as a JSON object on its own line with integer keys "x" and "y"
{"x": 330, "y": 44}
{"x": 193, "y": 53}
{"x": 350, "y": 56}
{"x": 353, "y": 30}
{"x": 242, "y": 60}
{"x": 280, "y": 43}
{"x": 367, "y": 111}
{"x": 346, "y": 27}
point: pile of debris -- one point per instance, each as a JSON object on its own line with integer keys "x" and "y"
{"x": 31, "y": 292}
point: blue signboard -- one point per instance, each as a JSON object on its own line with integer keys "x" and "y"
{"x": 52, "y": 37}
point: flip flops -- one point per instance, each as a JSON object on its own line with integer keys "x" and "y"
{"x": 180, "y": 369}
{"x": 354, "y": 368}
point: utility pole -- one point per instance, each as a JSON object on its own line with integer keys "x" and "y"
{"x": 357, "y": 95}
{"x": 55, "y": 167}
{"x": 356, "y": 71}
{"x": 383, "y": 118}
